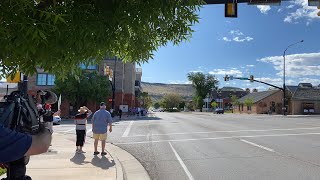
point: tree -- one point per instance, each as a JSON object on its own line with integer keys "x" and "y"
{"x": 156, "y": 105}
{"x": 146, "y": 100}
{"x": 198, "y": 102}
{"x": 182, "y": 104}
{"x": 214, "y": 104}
{"x": 58, "y": 35}
{"x": 89, "y": 86}
{"x": 248, "y": 102}
{"x": 234, "y": 100}
{"x": 171, "y": 101}
{"x": 255, "y": 90}
{"x": 203, "y": 83}
{"x": 248, "y": 90}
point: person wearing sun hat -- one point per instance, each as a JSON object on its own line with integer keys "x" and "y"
{"x": 81, "y": 124}
{"x": 100, "y": 121}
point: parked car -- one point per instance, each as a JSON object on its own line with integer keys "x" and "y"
{"x": 56, "y": 119}
{"x": 219, "y": 110}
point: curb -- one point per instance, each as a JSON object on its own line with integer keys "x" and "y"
{"x": 132, "y": 168}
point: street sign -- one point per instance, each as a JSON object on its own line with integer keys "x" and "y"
{"x": 243, "y": 78}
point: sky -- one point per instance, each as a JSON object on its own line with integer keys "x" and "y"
{"x": 252, "y": 44}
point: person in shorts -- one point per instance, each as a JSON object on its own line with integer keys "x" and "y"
{"x": 100, "y": 121}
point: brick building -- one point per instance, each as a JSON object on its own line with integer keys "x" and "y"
{"x": 263, "y": 103}
{"x": 305, "y": 99}
{"x": 127, "y": 85}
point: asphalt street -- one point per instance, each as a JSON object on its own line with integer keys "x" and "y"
{"x": 205, "y": 146}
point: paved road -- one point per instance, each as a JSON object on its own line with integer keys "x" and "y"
{"x": 208, "y": 146}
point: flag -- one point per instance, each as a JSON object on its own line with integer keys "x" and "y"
{"x": 59, "y": 102}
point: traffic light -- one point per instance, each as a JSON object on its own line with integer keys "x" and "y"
{"x": 231, "y": 10}
{"x": 110, "y": 74}
{"x": 226, "y": 78}
{"x": 251, "y": 78}
{"x": 106, "y": 70}
{"x": 319, "y": 11}
{"x": 14, "y": 78}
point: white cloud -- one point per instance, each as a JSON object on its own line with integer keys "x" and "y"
{"x": 226, "y": 39}
{"x": 236, "y": 32}
{"x": 237, "y": 36}
{"x": 226, "y": 72}
{"x": 297, "y": 65}
{"x": 264, "y": 8}
{"x": 250, "y": 65}
{"x": 303, "y": 12}
{"x": 195, "y": 71}
{"x": 314, "y": 82}
{"x": 290, "y": 6}
{"x": 179, "y": 82}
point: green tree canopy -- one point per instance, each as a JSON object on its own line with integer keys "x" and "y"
{"x": 203, "y": 83}
{"x": 248, "y": 102}
{"x": 234, "y": 100}
{"x": 89, "y": 86}
{"x": 171, "y": 101}
{"x": 214, "y": 104}
{"x": 146, "y": 100}
{"x": 156, "y": 105}
{"x": 57, "y": 35}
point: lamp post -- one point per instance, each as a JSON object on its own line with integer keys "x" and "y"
{"x": 284, "y": 108}
{"x": 114, "y": 84}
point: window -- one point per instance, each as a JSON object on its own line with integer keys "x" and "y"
{"x": 44, "y": 79}
{"x": 88, "y": 67}
{"x": 248, "y": 108}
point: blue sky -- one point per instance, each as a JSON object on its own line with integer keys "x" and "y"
{"x": 253, "y": 44}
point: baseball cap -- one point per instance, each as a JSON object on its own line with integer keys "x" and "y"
{"x": 102, "y": 104}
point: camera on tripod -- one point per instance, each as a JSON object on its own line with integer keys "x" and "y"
{"x": 20, "y": 113}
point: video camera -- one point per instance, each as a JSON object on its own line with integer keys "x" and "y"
{"x": 19, "y": 113}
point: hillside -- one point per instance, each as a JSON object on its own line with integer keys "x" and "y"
{"x": 158, "y": 90}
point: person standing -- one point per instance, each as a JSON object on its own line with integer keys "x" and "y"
{"x": 120, "y": 113}
{"x": 81, "y": 126}
{"x": 100, "y": 121}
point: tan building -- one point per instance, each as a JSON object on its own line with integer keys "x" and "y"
{"x": 126, "y": 85}
{"x": 306, "y": 99}
{"x": 263, "y": 102}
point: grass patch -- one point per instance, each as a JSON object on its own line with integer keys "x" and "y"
{"x": 2, "y": 171}
{"x": 228, "y": 111}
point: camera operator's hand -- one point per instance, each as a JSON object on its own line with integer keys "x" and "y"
{"x": 40, "y": 142}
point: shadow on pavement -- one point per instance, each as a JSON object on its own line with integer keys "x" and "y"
{"x": 102, "y": 162}
{"x": 79, "y": 159}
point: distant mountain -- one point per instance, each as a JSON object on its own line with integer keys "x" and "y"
{"x": 158, "y": 90}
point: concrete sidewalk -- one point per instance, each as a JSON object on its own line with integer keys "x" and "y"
{"x": 63, "y": 163}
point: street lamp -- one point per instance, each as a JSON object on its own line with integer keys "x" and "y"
{"x": 284, "y": 109}
{"x": 114, "y": 84}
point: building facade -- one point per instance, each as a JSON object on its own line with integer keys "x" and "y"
{"x": 124, "y": 80}
{"x": 264, "y": 102}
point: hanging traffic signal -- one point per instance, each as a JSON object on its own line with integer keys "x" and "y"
{"x": 110, "y": 74}
{"x": 106, "y": 70}
{"x": 14, "y": 78}
{"x": 319, "y": 11}
{"x": 226, "y": 78}
{"x": 251, "y": 78}
{"x": 231, "y": 10}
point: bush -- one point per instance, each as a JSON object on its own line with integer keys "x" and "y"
{"x": 2, "y": 171}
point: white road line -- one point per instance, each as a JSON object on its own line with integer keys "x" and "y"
{"x": 230, "y": 131}
{"x": 127, "y": 131}
{"x": 217, "y": 138}
{"x": 257, "y": 145}
{"x": 181, "y": 163}
{"x": 69, "y": 130}
{"x": 90, "y": 130}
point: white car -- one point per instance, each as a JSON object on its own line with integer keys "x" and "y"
{"x": 56, "y": 119}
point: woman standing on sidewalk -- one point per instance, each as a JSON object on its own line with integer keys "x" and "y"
{"x": 81, "y": 124}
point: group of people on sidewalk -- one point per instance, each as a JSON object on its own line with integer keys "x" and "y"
{"x": 101, "y": 119}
